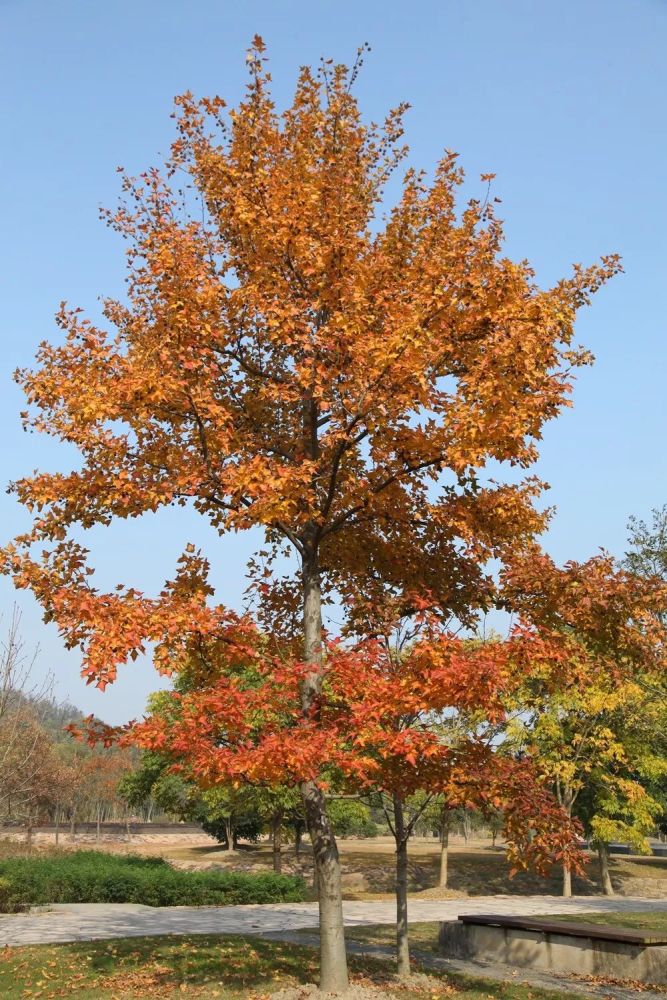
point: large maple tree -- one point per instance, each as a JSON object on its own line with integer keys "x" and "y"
{"x": 290, "y": 358}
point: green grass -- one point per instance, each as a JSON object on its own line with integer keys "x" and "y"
{"x": 96, "y": 877}
{"x": 423, "y": 936}
{"x": 228, "y": 968}
{"x": 655, "y": 921}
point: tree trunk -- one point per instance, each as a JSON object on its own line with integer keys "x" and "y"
{"x": 333, "y": 960}
{"x": 605, "y": 877}
{"x": 99, "y": 817}
{"x": 298, "y": 833}
{"x": 57, "y": 819}
{"x": 28, "y": 835}
{"x": 229, "y": 834}
{"x": 277, "y": 829}
{"x": 566, "y": 799}
{"x": 72, "y": 825}
{"x": 567, "y": 881}
{"x": 402, "y": 939}
{"x": 444, "y": 850}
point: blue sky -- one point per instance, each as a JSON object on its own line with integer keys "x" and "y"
{"x": 564, "y": 101}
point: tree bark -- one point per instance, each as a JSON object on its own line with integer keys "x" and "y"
{"x": 57, "y": 819}
{"x": 333, "y": 959}
{"x": 444, "y": 850}
{"x": 277, "y": 827}
{"x": 402, "y": 939}
{"x": 229, "y": 834}
{"x": 566, "y": 799}
{"x": 605, "y": 877}
{"x": 567, "y": 881}
{"x": 99, "y": 816}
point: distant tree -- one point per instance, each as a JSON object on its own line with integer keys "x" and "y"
{"x": 647, "y": 554}
{"x": 102, "y": 773}
{"x": 351, "y": 818}
{"x": 600, "y": 741}
{"x": 27, "y": 758}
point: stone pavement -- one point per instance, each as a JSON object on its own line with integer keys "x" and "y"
{"x": 98, "y": 921}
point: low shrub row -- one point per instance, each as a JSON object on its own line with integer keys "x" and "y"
{"x": 95, "y": 877}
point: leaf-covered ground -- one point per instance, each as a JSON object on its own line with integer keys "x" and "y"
{"x": 227, "y": 968}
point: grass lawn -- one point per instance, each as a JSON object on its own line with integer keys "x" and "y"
{"x": 424, "y": 936}
{"x": 656, "y": 921}
{"x": 229, "y": 968}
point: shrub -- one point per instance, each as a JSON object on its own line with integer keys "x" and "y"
{"x": 351, "y": 819}
{"x": 95, "y": 877}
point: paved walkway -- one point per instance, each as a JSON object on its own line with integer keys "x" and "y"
{"x": 97, "y": 921}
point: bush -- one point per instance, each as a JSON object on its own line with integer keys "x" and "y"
{"x": 95, "y": 877}
{"x": 351, "y": 819}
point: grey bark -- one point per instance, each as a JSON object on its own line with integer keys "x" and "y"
{"x": 566, "y": 799}
{"x": 333, "y": 960}
{"x": 567, "y": 881}
{"x": 277, "y": 829}
{"x": 229, "y": 833}
{"x": 444, "y": 850}
{"x": 402, "y": 939}
{"x": 298, "y": 833}
{"x": 605, "y": 876}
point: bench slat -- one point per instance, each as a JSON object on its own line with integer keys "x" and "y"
{"x": 597, "y": 932}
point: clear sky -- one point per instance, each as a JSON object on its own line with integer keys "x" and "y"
{"x": 564, "y": 101}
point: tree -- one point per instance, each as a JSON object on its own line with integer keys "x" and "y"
{"x": 351, "y": 818}
{"x": 102, "y": 774}
{"x": 595, "y": 739}
{"x": 288, "y": 359}
{"x": 27, "y": 755}
{"x": 647, "y": 555}
{"x": 423, "y": 726}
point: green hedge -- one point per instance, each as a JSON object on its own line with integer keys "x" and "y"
{"x": 95, "y": 877}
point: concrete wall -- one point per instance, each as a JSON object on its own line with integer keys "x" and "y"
{"x": 556, "y": 952}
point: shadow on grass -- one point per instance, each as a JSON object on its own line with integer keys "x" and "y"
{"x": 214, "y": 966}
{"x": 238, "y": 962}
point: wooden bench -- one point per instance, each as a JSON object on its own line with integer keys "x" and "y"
{"x": 595, "y": 932}
{"x": 559, "y": 946}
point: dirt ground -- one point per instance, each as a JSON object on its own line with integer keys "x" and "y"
{"x": 475, "y": 867}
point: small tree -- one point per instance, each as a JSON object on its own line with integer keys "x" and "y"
{"x": 596, "y": 740}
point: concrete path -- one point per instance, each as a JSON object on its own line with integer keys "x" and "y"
{"x": 98, "y": 921}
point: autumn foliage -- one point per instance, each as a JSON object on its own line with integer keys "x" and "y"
{"x": 288, "y": 357}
